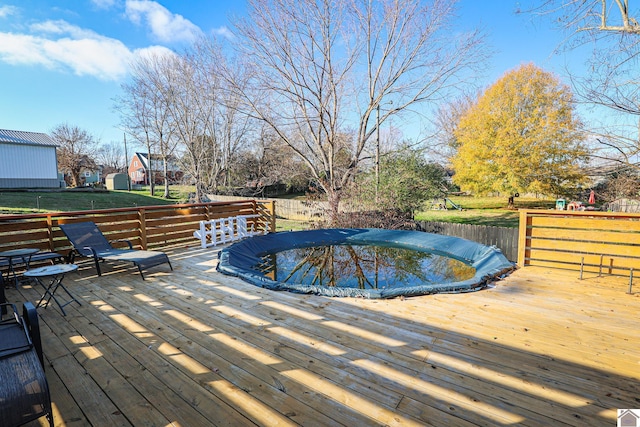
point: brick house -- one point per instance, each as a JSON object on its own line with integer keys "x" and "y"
{"x": 139, "y": 167}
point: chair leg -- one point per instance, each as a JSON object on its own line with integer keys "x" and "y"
{"x": 97, "y": 262}
{"x": 140, "y": 270}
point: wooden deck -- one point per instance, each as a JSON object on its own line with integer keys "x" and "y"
{"x": 194, "y": 348}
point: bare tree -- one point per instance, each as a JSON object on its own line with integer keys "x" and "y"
{"x": 111, "y": 157}
{"x": 610, "y": 30}
{"x": 229, "y": 128}
{"x": 76, "y": 150}
{"x": 446, "y": 120}
{"x": 591, "y": 17}
{"x": 320, "y": 68}
{"x": 145, "y": 108}
{"x": 193, "y": 111}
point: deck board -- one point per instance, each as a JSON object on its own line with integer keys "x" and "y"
{"x": 192, "y": 347}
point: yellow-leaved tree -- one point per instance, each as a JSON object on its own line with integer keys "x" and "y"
{"x": 522, "y": 135}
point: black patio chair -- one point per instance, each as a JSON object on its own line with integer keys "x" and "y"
{"x": 24, "y": 391}
{"x": 88, "y": 241}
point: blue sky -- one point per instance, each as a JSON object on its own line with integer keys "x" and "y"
{"x": 64, "y": 61}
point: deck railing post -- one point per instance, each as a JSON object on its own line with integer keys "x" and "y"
{"x": 630, "y": 280}
{"x": 272, "y": 220}
{"x": 50, "y": 232}
{"x": 143, "y": 227}
{"x": 581, "y": 267}
{"x": 600, "y": 272}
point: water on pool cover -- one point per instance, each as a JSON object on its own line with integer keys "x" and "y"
{"x": 363, "y": 267}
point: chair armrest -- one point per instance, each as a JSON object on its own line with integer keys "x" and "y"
{"x": 30, "y": 317}
{"x": 93, "y": 251}
{"x": 123, "y": 240}
{"x": 14, "y": 312}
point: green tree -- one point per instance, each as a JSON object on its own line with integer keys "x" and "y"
{"x": 521, "y": 136}
{"x": 407, "y": 180}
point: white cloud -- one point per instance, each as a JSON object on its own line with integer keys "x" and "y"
{"x": 7, "y": 11}
{"x": 63, "y": 27}
{"x": 224, "y": 32}
{"x": 104, "y": 4}
{"x": 59, "y": 45}
{"x": 153, "y": 51}
{"x": 165, "y": 26}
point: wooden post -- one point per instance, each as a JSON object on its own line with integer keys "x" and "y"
{"x": 50, "y": 232}
{"x": 272, "y": 222}
{"x": 522, "y": 237}
{"x": 600, "y": 271}
{"x": 143, "y": 228}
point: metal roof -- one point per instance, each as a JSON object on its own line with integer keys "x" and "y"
{"x": 27, "y": 138}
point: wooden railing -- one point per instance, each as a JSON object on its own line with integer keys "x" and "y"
{"x": 602, "y": 242}
{"x": 146, "y": 227}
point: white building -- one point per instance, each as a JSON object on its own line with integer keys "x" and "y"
{"x": 27, "y": 160}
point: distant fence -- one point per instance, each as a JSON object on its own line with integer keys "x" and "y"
{"x": 624, "y": 205}
{"x": 298, "y": 210}
{"x": 504, "y": 238}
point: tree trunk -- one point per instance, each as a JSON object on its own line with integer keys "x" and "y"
{"x": 333, "y": 198}
{"x": 150, "y": 175}
{"x": 75, "y": 178}
{"x": 166, "y": 179}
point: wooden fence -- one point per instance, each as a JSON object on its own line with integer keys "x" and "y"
{"x": 146, "y": 227}
{"x": 298, "y": 210}
{"x": 603, "y": 242}
{"x": 504, "y": 238}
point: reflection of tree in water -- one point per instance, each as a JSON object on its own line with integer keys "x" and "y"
{"x": 452, "y": 269}
{"x": 366, "y": 266}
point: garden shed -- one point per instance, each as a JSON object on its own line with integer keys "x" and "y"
{"x": 116, "y": 181}
{"x": 27, "y": 160}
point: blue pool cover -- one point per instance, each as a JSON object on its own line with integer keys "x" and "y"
{"x": 242, "y": 259}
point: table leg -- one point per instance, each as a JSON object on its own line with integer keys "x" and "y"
{"x": 50, "y": 290}
{"x": 11, "y": 272}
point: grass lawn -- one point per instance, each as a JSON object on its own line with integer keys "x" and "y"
{"x": 19, "y": 202}
{"x": 484, "y": 210}
{"x": 475, "y": 210}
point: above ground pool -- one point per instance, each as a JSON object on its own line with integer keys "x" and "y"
{"x": 369, "y": 263}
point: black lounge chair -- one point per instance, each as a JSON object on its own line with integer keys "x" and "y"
{"x": 88, "y": 241}
{"x": 24, "y": 391}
